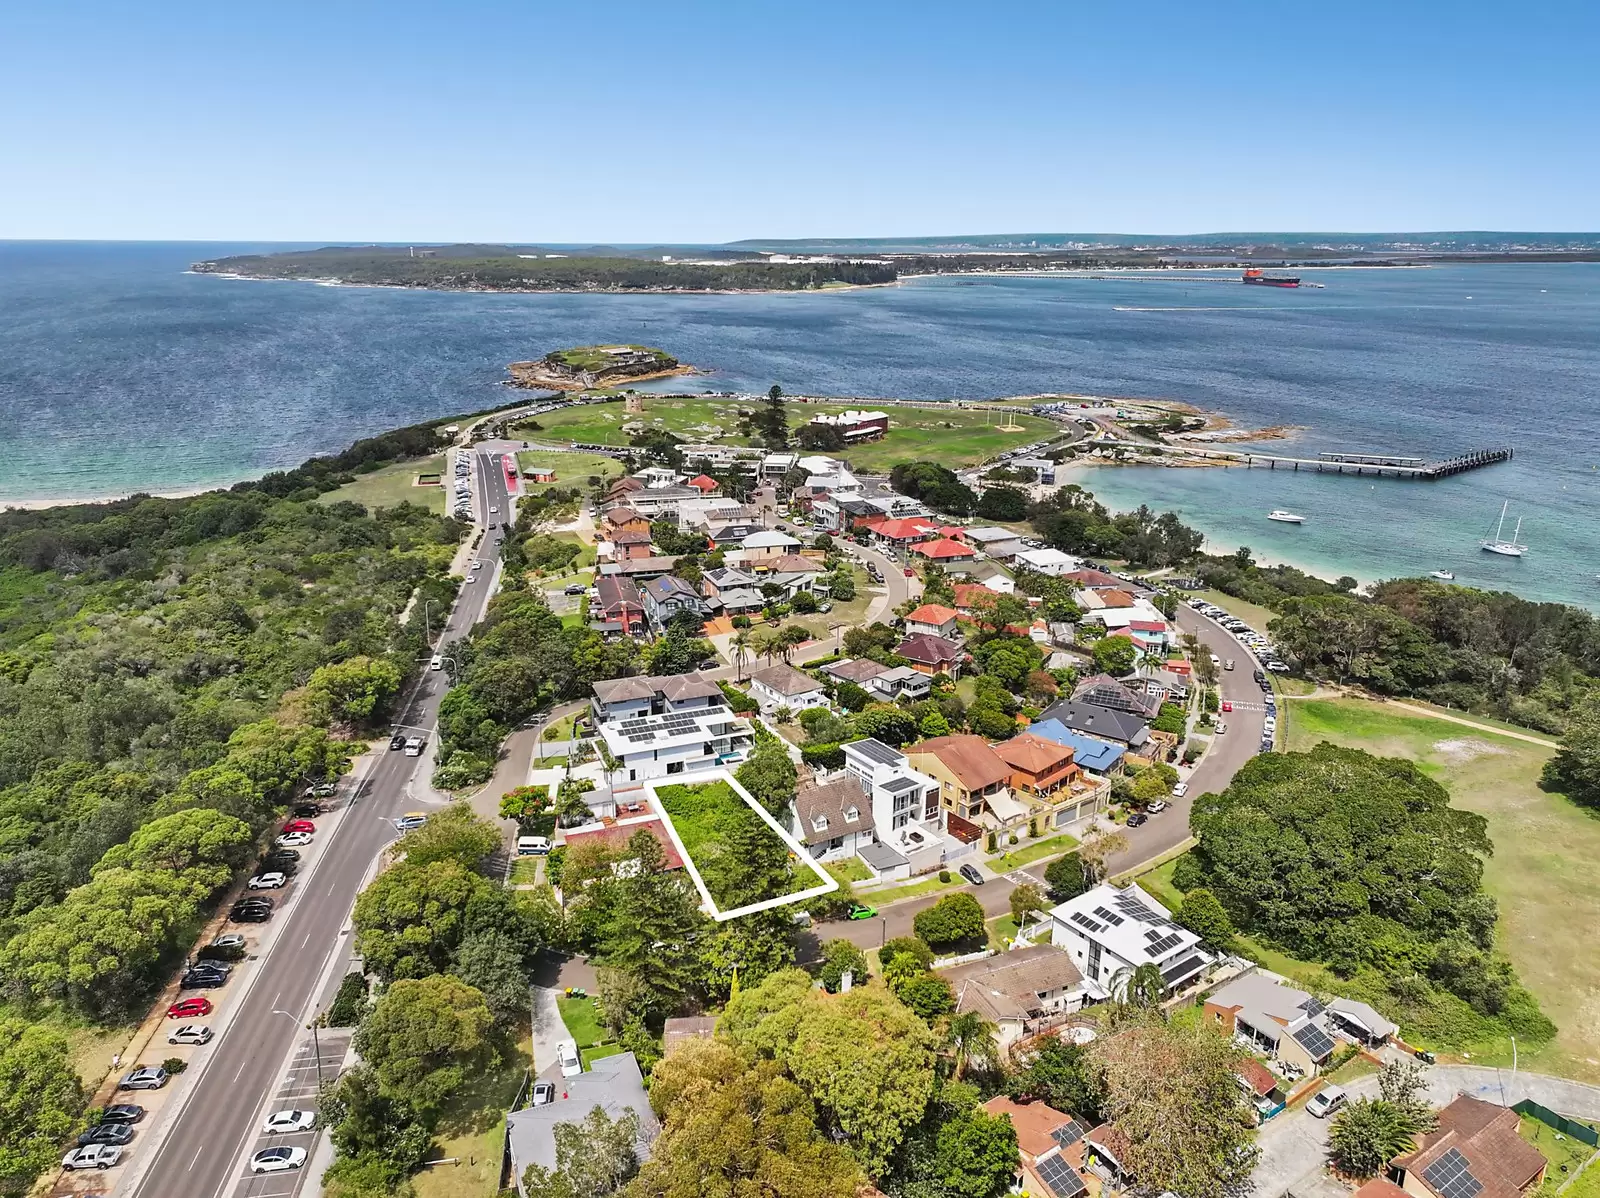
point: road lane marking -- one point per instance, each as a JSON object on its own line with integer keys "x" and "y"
{"x": 242, "y": 1065}
{"x": 197, "y": 1153}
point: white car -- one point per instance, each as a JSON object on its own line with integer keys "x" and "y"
{"x": 92, "y": 1156}
{"x": 191, "y": 1033}
{"x": 277, "y": 1160}
{"x": 567, "y": 1054}
{"x": 494, "y": 511}
{"x": 1324, "y": 1102}
{"x": 294, "y": 840}
{"x": 269, "y": 881}
{"x": 289, "y": 1122}
{"x": 412, "y": 819}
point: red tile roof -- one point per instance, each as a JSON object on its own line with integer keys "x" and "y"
{"x": 932, "y": 613}
{"x": 1147, "y": 625}
{"x": 928, "y": 649}
{"x": 1486, "y": 1135}
{"x": 704, "y": 483}
{"x": 902, "y": 530}
{"x": 1116, "y": 599}
{"x": 1032, "y": 754}
{"x": 1033, "y": 1121}
{"x": 1256, "y": 1075}
{"x": 968, "y": 593}
{"x": 943, "y": 550}
{"x": 970, "y": 758}
{"x": 616, "y": 836}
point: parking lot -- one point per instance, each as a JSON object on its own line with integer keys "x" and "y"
{"x": 316, "y": 1060}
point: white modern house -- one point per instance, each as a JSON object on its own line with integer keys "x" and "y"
{"x": 662, "y": 727}
{"x": 1111, "y": 932}
{"x": 783, "y": 686}
{"x": 1047, "y": 561}
{"x": 1000, "y": 543}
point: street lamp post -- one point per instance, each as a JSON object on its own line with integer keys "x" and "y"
{"x": 316, "y": 1043}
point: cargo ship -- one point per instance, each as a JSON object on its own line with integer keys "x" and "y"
{"x": 1254, "y": 275}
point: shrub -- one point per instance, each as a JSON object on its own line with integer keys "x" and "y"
{"x": 350, "y": 1003}
{"x": 174, "y": 1065}
{"x": 944, "y": 876}
{"x": 954, "y": 919}
{"x": 906, "y": 946}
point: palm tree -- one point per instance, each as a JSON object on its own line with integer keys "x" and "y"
{"x": 969, "y": 1039}
{"x": 741, "y": 650}
{"x": 1139, "y": 987}
{"x": 571, "y": 808}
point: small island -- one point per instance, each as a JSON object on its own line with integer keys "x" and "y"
{"x": 588, "y": 366}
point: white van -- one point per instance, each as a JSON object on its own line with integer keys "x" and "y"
{"x": 532, "y": 846}
{"x": 414, "y": 747}
{"x": 437, "y": 663}
{"x": 567, "y": 1054}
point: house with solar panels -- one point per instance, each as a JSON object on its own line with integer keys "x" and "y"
{"x": 1111, "y": 932}
{"x": 662, "y": 727}
{"x": 1289, "y": 1026}
{"x": 1049, "y": 1147}
{"x": 1474, "y": 1152}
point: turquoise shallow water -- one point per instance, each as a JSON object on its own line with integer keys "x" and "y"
{"x": 118, "y": 372}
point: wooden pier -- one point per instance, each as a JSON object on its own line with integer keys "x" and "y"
{"x": 1360, "y": 464}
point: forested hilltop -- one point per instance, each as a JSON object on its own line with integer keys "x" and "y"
{"x": 501, "y": 269}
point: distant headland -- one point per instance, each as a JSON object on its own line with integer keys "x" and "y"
{"x": 588, "y": 366}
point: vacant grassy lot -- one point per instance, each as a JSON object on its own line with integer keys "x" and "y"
{"x": 1052, "y": 846}
{"x": 1543, "y": 870}
{"x": 955, "y": 437}
{"x": 472, "y": 1130}
{"x": 707, "y": 817}
{"x": 1564, "y": 1153}
{"x": 582, "y": 1017}
{"x": 390, "y": 486}
{"x": 849, "y": 870}
{"x": 572, "y": 469}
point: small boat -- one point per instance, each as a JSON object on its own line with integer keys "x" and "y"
{"x": 1498, "y": 544}
{"x": 1442, "y": 575}
{"x": 1283, "y": 517}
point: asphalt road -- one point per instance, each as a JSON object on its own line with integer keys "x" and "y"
{"x": 220, "y": 1114}
{"x": 1159, "y": 835}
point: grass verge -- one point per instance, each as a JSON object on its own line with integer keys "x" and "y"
{"x": 472, "y": 1130}
{"x": 1052, "y": 846}
{"x": 582, "y": 1017}
{"x": 392, "y": 485}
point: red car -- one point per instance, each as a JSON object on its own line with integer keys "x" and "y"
{"x": 910, "y": 573}
{"x": 190, "y": 1008}
{"x": 299, "y": 825}
{"x": 1226, "y": 706}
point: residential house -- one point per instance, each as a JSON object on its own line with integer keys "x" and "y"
{"x": 1110, "y": 933}
{"x": 681, "y": 1029}
{"x": 903, "y": 797}
{"x": 657, "y": 727}
{"x": 900, "y": 531}
{"x": 1092, "y": 579}
{"x": 833, "y": 820}
{"x": 763, "y": 549}
{"x": 1102, "y": 690}
{"x": 1019, "y": 991}
{"x": 793, "y": 574}
{"x": 661, "y": 502}
{"x": 716, "y": 583}
{"x": 973, "y": 780}
{"x": 614, "y": 1084}
{"x": 616, "y": 836}
{"x": 1284, "y": 1024}
{"x": 932, "y": 655}
{"x": 622, "y": 519}
{"x": 901, "y": 681}
{"x": 895, "y": 506}
{"x": 1045, "y": 561}
{"x": 1152, "y": 636}
{"x": 775, "y": 465}
{"x": 1353, "y": 1020}
{"x": 1050, "y": 1148}
{"x": 855, "y": 427}
{"x": 1162, "y": 686}
{"x": 783, "y": 686}
{"x": 629, "y": 546}
{"x": 1039, "y": 766}
{"x": 640, "y": 569}
{"x": 972, "y": 596}
{"x": 934, "y": 619}
{"x": 656, "y": 477}
{"x": 731, "y": 534}
{"x": 668, "y": 596}
{"x": 1265, "y": 1089}
{"x": 713, "y": 509}
{"x": 619, "y": 607}
{"x": 618, "y": 492}
{"x": 1042, "y": 469}
{"x": 945, "y": 552}
{"x": 1098, "y": 758}
{"x": 859, "y": 670}
{"x": 1475, "y": 1151}
{"x": 1104, "y": 723}
{"x": 1098, "y": 599}
{"x": 999, "y": 543}
{"x": 704, "y": 483}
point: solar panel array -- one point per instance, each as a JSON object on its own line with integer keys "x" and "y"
{"x": 643, "y": 731}
{"x": 1313, "y": 1007}
{"x": 1137, "y": 909}
{"x": 1069, "y": 1133}
{"x": 1452, "y": 1177}
{"x": 1078, "y": 917}
{"x": 1164, "y": 945}
{"x": 1111, "y": 917}
{"x": 1060, "y": 1177}
{"x": 1314, "y": 1040}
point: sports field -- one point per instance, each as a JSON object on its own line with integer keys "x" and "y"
{"x": 957, "y": 437}
{"x": 1543, "y": 870}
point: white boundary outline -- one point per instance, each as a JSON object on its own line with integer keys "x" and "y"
{"x": 829, "y": 883}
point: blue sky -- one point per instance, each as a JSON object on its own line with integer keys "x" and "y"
{"x": 698, "y": 122}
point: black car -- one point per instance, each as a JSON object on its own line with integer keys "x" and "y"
{"x": 200, "y": 978}
{"x": 107, "y": 1133}
{"x": 250, "y": 913}
{"x": 122, "y": 1112}
{"x": 279, "y": 863}
{"x": 230, "y": 947}
{"x": 397, "y": 741}
{"x": 971, "y": 874}
{"x": 1137, "y": 818}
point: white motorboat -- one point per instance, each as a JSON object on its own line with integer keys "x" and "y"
{"x": 1442, "y": 575}
{"x": 1498, "y": 544}
{"x": 1283, "y": 517}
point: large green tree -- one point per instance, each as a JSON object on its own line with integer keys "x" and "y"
{"x": 953, "y": 920}
{"x": 595, "y": 1157}
{"x": 412, "y": 917}
{"x": 41, "y": 1103}
{"x": 1575, "y": 769}
{"x": 424, "y": 1037}
{"x": 651, "y": 930}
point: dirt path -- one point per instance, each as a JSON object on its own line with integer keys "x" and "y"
{"x": 1489, "y": 728}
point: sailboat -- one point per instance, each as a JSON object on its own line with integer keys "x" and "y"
{"x": 1498, "y": 544}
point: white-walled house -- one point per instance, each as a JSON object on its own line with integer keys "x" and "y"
{"x": 782, "y": 686}
{"x": 833, "y": 820}
{"x": 667, "y": 726}
{"x": 1111, "y": 932}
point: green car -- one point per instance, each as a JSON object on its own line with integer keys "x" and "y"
{"x": 861, "y": 911}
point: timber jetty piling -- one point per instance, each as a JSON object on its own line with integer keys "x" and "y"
{"x": 1360, "y": 464}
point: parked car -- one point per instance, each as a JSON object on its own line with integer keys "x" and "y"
{"x": 971, "y": 874}
{"x": 1137, "y": 818}
{"x": 1326, "y": 1101}
{"x": 190, "y": 1008}
{"x": 106, "y": 1133}
{"x": 228, "y": 947}
{"x": 1221, "y": 729}
{"x": 294, "y": 840}
{"x": 247, "y": 911}
{"x": 289, "y": 1122}
{"x": 574, "y": 588}
{"x": 299, "y": 825}
{"x": 282, "y": 861}
{"x": 93, "y": 1156}
{"x": 144, "y": 1077}
{"x": 1157, "y": 806}
{"x": 567, "y": 1055}
{"x": 277, "y": 1160}
{"x": 1227, "y": 705}
{"x": 1228, "y": 665}
{"x": 200, "y": 978}
{"x": 267, "y": 881}
{"x": 532, "y": 846}
{"x": 861, "y": 911}
{"x": 323, "y": 790}
{"x": 191, "y": 1033}
{"x": 307, "y": 810}
{"x": 544, "y": 1093}
{"x": 121, "y": 1112}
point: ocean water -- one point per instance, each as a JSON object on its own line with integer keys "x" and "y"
{"x": 120, "y": 372}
